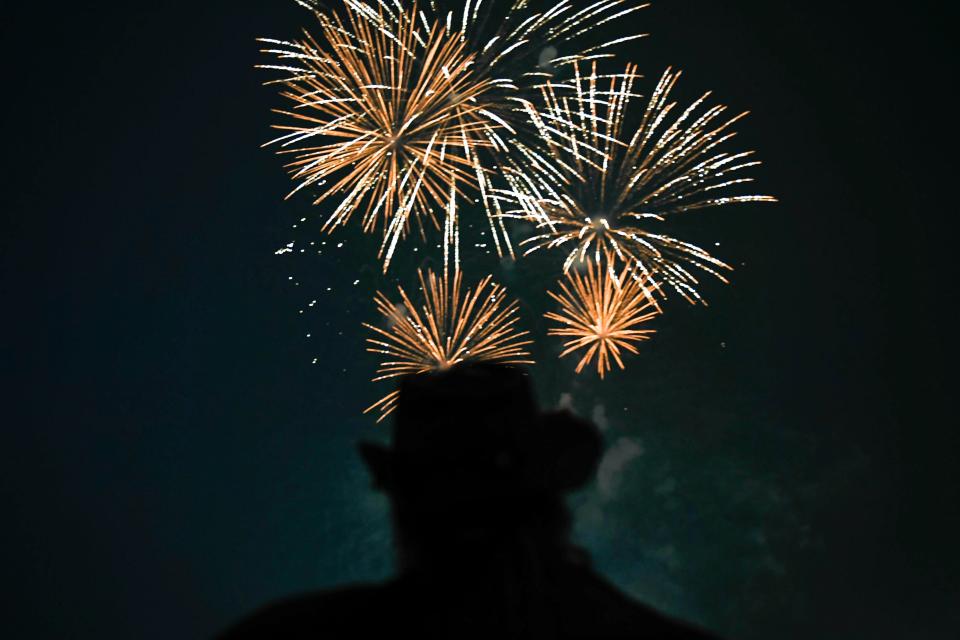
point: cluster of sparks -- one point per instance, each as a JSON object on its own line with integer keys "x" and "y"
{"x": 404, "y": 113}
{"x": 620, "y": 184}
{"x": 603, "y": 315}
{"x": 390, "y": 120}
{"x": 512, "y": 41}
{"x": 450, "y": 327}
{"x": 400, "y": 111}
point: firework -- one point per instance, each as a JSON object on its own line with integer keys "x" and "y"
{"x": 515, "y": 50}
{"x": 602, "y": 313}
{"x": 450, "y": 327}
{"x": 511, "y": 40}
{"x": 388, "y": 120}
{"x": 617, "y": 187}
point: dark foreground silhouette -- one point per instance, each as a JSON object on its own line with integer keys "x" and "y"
{"x": 476, "y": 477}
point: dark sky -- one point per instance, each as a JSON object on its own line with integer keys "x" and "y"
{"x": 779, "y": 463}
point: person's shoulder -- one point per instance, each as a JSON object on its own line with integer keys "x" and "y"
{"x": 304, "y": 616}
{"x": 613, "y": 614}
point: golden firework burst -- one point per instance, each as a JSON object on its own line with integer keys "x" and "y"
{"x": 617, "y": 186}
{"x": 451, "y": 326}
{"x": 602, "y": 312}
{"x": 513, "y": 49}
{"x": 389, "y": 120}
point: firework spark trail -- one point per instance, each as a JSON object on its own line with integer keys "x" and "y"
{"x": 513, "y": 55}
{"x": 615, "y": 189}
{"x": 397, "y": 116}
{"x": 601, "y": 313}
{"x": 450, "y": 327}
{"x": 512, "y": 43}
{"x": 514, "y": 50}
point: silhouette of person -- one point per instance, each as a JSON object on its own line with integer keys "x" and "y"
{"x": 476, "y": 477}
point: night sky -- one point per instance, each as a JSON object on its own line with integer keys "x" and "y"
{"x": 178, "y": 450}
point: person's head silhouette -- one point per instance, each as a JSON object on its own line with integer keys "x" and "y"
{"x": 476, "y": 477}
{"x": 474, "y": 464}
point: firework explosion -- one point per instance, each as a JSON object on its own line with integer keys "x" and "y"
{"x": 617, "y": 188}
{"x": 601, "y": 313}
{"x": 405, "y": 114}
{"x": 517, "y": 51}
{"x": 389, "y": 121}
{"x": 451, "y": 326}
{"x": 407, "y": 98}
{"x": 515, "y": 42}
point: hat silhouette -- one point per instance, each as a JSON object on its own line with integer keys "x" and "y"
{"x": 475, "y": 475}
{"x": 475, "y": 432}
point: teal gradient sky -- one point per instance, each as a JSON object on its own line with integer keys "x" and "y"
{"x": 776, "y": 466}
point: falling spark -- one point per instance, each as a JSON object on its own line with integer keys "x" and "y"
{"x": 617, "y": 186}
{"x": 390, "y": 121}
{"x": 451, "y": 326}
{"x": 602, "y": 313}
